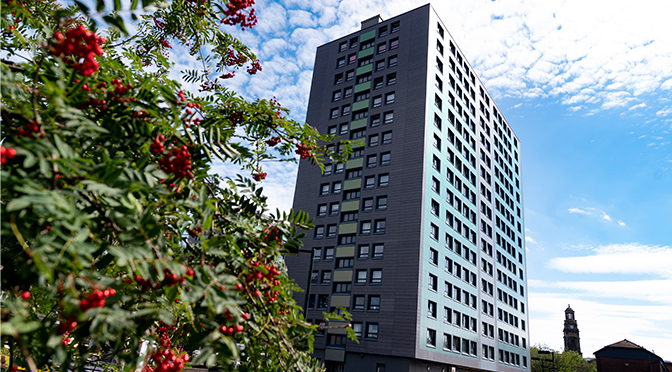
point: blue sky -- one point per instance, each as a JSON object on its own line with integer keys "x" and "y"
{"x": 588, "y": 90}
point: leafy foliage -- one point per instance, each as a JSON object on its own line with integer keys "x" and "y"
{"x": 566, "y": 361}
{"x": 115, "y": 237}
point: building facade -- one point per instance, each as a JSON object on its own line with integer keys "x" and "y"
{"x": 626, "y": 356}
{"x": 420, "y": 233}
{"x": 571, "y": 331}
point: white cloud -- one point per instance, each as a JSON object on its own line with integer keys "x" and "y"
{"x": 664, "y": 112}
{"x": 579, "y": 211}
{"x": 621, "y": 223}
{"x": 637, "y": 106}
{"x": 621, "y": 259}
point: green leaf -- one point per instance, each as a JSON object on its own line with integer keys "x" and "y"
{"x": 116, "y": 21}
{"x": 100, "y": 6}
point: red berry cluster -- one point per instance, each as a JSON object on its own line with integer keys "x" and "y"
{"x": 83, "y": 44}
{"x": 28, "y": 130}
{"x": 259, "y": 176}
{"x": 273, "y": 234}
{"x": 66, "y": 339}
{"x": 228, "y": 75}
{"x": 233, "y": 59}
{"x": 170, "y": 279}
{"x": 157, "y": 145}
{"x": 196, "y": 231}
{"x": 235, "y": 13}
{"x": 67, "y": 325}
{"x": 177, "y": 162}
{"x": 96, "y": 299}
{"x": 273, "y": 141}
{"x": 181, "y": 95}
{"x": 263, "y": 282}
{"x": 165, "y": 44}
{"x": 166, "y": 359}
{"x": 303, "y": 150}
{"x": 158, "y": 23}
{"x": 7, "y": 154}
{"x": 254, "y": 67}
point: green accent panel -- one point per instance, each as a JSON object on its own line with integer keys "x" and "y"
{"x": 365, "y": 52}
{"x": 361, "y": 123}
{"x": 337, "y": 331}
{"x": 365, "y": 69}
{"x": 362, "y": 86}
{"x": 340, "y": 301}
{"x": 369, "y": 35}
{"x": 352, "y": 184}
{"x": 348, "y": 228}
{"x": 354, "y": 163}
{"x": 336, "y": 355}
{"x": 360, "y": 105}
{"x": 346, "y": 251}
{"x": 342, "y": 276}
{"x": 352, "y": 205}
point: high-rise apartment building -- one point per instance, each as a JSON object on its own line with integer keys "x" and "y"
{"x": 420, "y": 233}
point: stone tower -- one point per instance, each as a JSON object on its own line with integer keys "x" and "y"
{"x": 571, "y": 331}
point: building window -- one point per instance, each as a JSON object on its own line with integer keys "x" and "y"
{"x": 372, "y": 333}
{"x": 431, "y": 338}
{"x": 336, "y": 95}
{"x": 336, "y": 187}
{"x": 379, "y": 226}
{"x": 377, "y": 101}
{"x": 374, "y": 303}
{"x": 382, "y": 48}
{"x": 437, "y": 121}
{"x": 375, "y": 120}
{"x": 373, "y": 140}
{"x": 331, "y": 231}
{"x": 343, "y": 128}
{"x": 363, "y": 78}
{"x": 342, "y": 287}
{"x": 383, "y": 180}
{"x": 392, "y": 61}
{"x": 387, "y": 137}
{"x": 361, "y": 277}
{"x": 367, "y": 44}
{"x": 354, "y": 42}
{"x": 347, "y": 92}
{"x": 317, "y": 254}
{"x": 431, "y": 309}
{"x": 439, "y": 29}
{"x": 322, "y": 301}
{"x": 380, "y": 65}
{"x": 382, "y": 31}
{"x": 367, "y": 204}
{"x": 394, "y": 43}
{"x": 363, "y": 252}
{"x": 349, "y": 216}
{"x": 357, "y": 328}
{"x": 334, "y": 113}
{"x": 365, "y": 227}
{"x": 378, "y": 83}
{"x": 438, "y": 83}
{"x": 328, "y": 168}
{"x": 376, "y": 276}
{"x": 394, "y": 27}
{"x": 346, "y": 239}
{"x": 447, "y": 342}
{"x": 345, "y": 110}
{"x": 369, "y": 182}
{"x": 313, "y": 277}
{"x": 321, "y": 210}
{"x": 340, "y": 62}
{"x": 434, "y": 232}
{"x": 365, "y": 61}
{"x": 391, "y": 78}
{"x": 389, "y": 98}
{"x": 433, "y": 283}
{"x": 439, "y": 65}
{"x": 371, "y": 161}
{"x": 361, "y": 114}
{"x": 342, "y": 47}
{"x": 353, "y": 173}
{"x": 326, "y": 277}
{"x": 439, "y": 47}
{"x": 339, "y": 168}
{"x": 351, "y": 195}
{"x": 362, "y": 96}
{"x": 358, "y": 303}
{"x": 381, "y": 202}
{"x": 352, "y": 58}
{"x": 319, "y": 232}
{"x": 388, "y": 117}
{"x": 378, "y": 250}
{"x": 434, "y": 256}
{"x": 328, "y": 253}
{"x": 349, "y": 75}
{"x": 436, "y": 185}
{"x": 385, "y": 157}
{"x": 333, "y": 208}
{"x": 438, "y": 102}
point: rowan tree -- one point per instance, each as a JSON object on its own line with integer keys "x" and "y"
{"x": 115, "y": 236}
